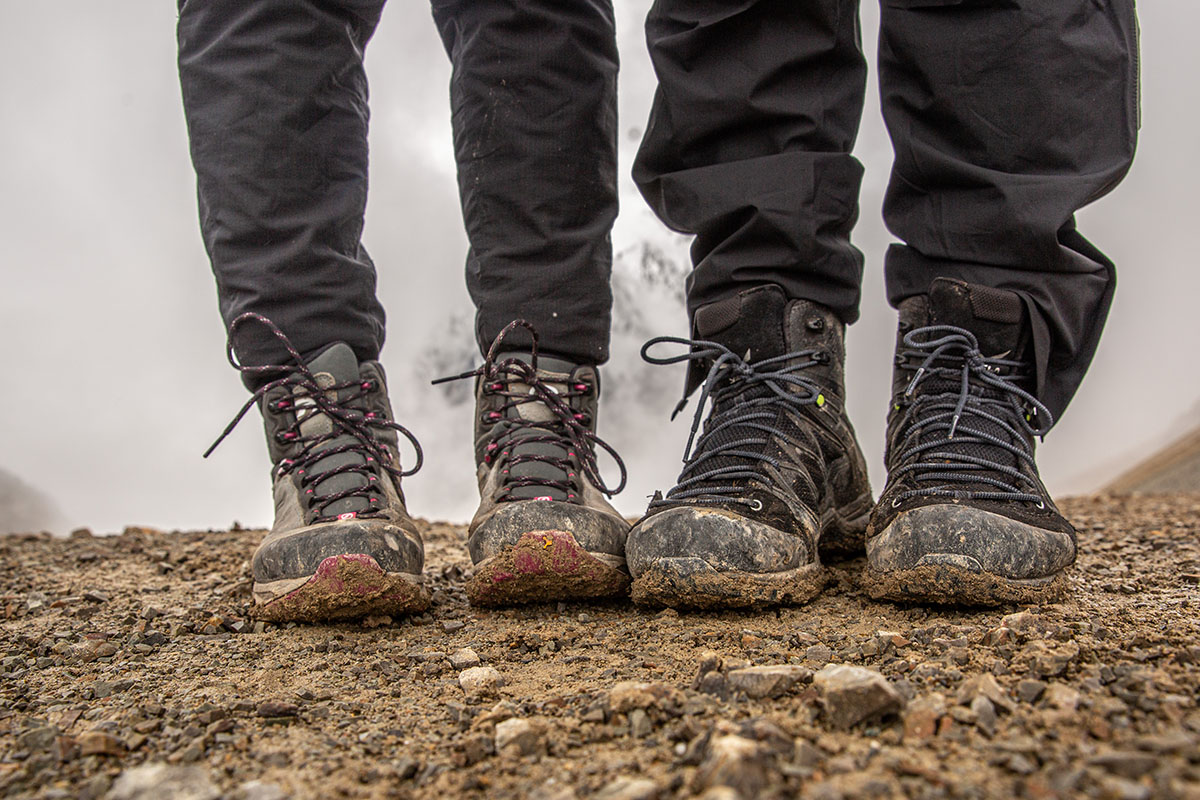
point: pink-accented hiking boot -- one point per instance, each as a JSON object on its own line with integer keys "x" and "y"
{"x": 342, "y": 545}
{"x": 544, "y": 530}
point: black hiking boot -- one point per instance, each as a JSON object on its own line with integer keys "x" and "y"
{"x": 342, "y": 545}
{"x": 964, "y": 518}
{"x": 543, "y": 530}
{"x": 776, "y": 471}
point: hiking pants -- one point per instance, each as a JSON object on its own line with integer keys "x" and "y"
{"x": 1006, "y": 117}
{"x": 275, "y": 98}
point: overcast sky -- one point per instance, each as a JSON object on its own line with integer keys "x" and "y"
{"x": 117, "y": 379}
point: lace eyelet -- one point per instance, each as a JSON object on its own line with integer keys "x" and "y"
{"x": 1040, "y": 505}
{"x": 755, "y": 504}
{"x": 896, "y": 503}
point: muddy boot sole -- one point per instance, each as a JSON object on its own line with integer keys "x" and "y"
{"x": 546, "y": 566}
{"x": 693, "y": 583}
{"x": 344, "y": 587}
{"x": 951, "y": 584}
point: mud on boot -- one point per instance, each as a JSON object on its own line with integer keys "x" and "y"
{"x": 543, "y": 530}
{"x": 964, "y": 518}
{"x": 777, "y": 472}
{"x": 342, "y": 545}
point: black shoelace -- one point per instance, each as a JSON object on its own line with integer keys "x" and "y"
{"x": 567, "y": 430}
{"x": 746, "y": 400}
{"x": 308, "y": 398}
{"x": 971, "y": 415}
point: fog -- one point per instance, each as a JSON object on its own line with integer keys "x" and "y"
{"x": 117, "y": 379}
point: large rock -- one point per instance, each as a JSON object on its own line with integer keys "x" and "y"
{"x": 157, "y": 781}
{"x": 480, "y": 681}
{"x": 851, "y": 695}
{"x": 521, "y": 735}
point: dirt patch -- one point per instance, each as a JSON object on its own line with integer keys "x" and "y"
{"x": 139, "y": 649}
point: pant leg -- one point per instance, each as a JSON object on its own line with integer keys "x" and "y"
{"x": 533, "y": 99}
{"x": 748, "y": 144}
{"x": 1007, "y": 116}
{"x": 276, "y": 103}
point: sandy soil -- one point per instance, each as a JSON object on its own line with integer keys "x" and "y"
{"x": 138, "y": 649}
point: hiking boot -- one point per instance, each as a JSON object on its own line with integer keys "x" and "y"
{"x": 776, "y": 471}
{"x": 342, "y": 545}
{"x": 543, "y": 530}
{"x": 964, "y": 518}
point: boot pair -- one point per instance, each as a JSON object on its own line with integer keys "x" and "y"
{"x": 773, "y": 482}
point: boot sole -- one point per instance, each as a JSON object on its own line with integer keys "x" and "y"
{"x": 546, "y": 566}
{"x": 954, "y": 585}
{"x": 952, "y": 579}
{"x": 343, "y": 587}
{"x": 693, "y": 583}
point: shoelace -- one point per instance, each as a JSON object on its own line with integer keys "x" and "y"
{"x": 568, "y": 429}
{"x": 755, "y": 392}
{"x": 946, "y": 417}
{"x": 346, "y": 420}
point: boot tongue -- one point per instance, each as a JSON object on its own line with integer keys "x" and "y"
{"x": 555, "y": 373}
{"x": 751, "y": 324}
{"x": 337, "y": 364}
{"x": 995, "y": 316}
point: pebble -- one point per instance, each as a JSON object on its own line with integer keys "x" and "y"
{"x": 1029, "y": 690}
{"x": 277, "y": 708}
{"x": 628, "y": 695}
{"x": 480, "y": 681}
{"x": 257, "y": 790}
{"x": 639, "y": 724}
{"x": 851, "y": 695}
{"x": 157, "y": 781}
{"x": 521, "y": 734}
{"x": 736, "y": 762}
{"x": 1062, "y": 697}
{"x": 628, "y": 789}
{"x": 1126, "y": 763}
{"x": 767, "y": 681}
{"x": 922, "y": 715}
{"x": 464, "y": 659}
{"x": 100, "y": 743}
{"x": 818, "y": 653}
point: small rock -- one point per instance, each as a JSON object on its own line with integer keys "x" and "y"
{"x": 922, "y": 715}
{"x": 277, "y": 708}
{"x": 37, "y": 739}
{"x": 985, "y": 714}
{"x": 452, "y": 625}
{"x": 851, "y": 695}
{"x": 1024, "y": 622}
{"x": 1126, "y": 763}
{"x": 464, "y": 659}
{"x": 96, "y": 597}
{"x": 257, "y": 790}
{"x": 767, "y": 681}
{"x": 553, "y": 790}
{"x": 520, "y": 734}
{"x": 370, "y": 623}
{"x": 628, "y": 789}
{"x": 156, "y": 781}
{"x": 1062, "y": 697}
{"x": 100, "y": 743}
{"x": 628, "y": 695}
{"x": 639, "y": 724}
{"x": 818, "y": 653}
{"x": 480, "y": 681}
{"x": 985, "y": 686}
{"x": 735, "y": 762}
{"x": 1029, "y": 691}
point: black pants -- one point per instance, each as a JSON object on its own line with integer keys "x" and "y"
{"x": 276, "y": 104}
{"x": 1006, "y": 117}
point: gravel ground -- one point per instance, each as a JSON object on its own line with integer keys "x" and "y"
{"x": 131, "y": 668}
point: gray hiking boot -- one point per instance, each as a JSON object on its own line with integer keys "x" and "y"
{"x": 342, "y": 545}
{"x": 964, "y": 518}
{"x": 776, "y": 473}
{"x": 543, "y": 530}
